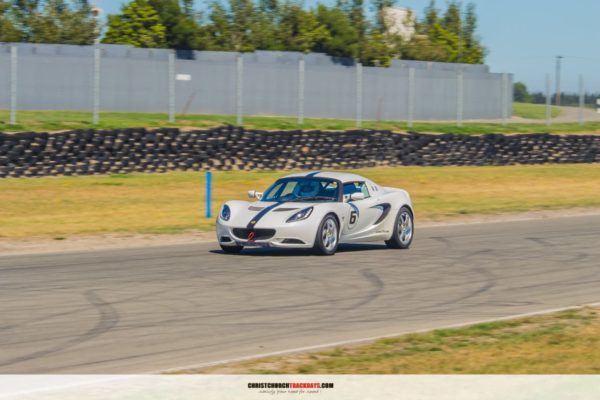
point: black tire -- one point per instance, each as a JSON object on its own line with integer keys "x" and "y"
{"x": 232, "y": 249}
{"x": 401, "y": 239}
{"x": 325, "y": 243}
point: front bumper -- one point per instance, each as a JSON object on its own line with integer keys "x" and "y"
{"x": 294, "y": 235}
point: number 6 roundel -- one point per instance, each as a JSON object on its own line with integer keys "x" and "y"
{"x": 354, "y": 214}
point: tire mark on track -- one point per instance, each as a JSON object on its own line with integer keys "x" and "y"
{"x": 541, "y": 242}
{"x": 375, "y": 292}
{"x": 488, "y": 283}
{"x": 108, "y": 318}
{"x": 443, "y": 240}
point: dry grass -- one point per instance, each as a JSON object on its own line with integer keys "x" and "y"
{"x": 561, "y": 343}
{"x": 174, "y": 202}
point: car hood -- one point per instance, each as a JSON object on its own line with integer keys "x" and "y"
{"x": 266, "y": 213}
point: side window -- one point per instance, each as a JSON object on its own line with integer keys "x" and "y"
{"x": 365, "y": 190}
{"x": 355, "y": 187}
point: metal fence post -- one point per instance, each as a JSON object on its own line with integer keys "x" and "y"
{"x": 301, "y": 91}
{"x": 411, "y": 97}
{"x": 13, "y": 85}
{"x": 359, "y": 94}
{"x": 239, "y": 90}
{"x": 208, "y": 194}
{"x": 548, "y": 107}
{"x": 172, "y": 87}
{"x": 505, "y": 100}
{"x": 581, "y": 99}
{"x": 459, "y": 97}
{"x": 96, "y": 102}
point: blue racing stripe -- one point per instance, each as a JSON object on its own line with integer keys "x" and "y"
{"x": 261, "y": 214}
{"x": 310, "y": 175}
{"x": 385, "y": 210}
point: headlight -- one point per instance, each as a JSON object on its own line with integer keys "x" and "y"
{"x": 225, "y": 213}
{"x": 300, "y": 215}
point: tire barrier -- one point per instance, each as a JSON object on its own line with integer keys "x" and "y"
{"x": 87, "y": 152}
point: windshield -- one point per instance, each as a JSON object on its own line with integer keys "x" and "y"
{"x": 303, "y": 189}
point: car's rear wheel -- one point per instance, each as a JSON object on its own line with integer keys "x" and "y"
{"x": 327, "y": 239}
{"x": 403, "y": 230}
{"x": 232, "y": 249}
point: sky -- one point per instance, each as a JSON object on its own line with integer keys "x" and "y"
{"x": 523, "y": 37}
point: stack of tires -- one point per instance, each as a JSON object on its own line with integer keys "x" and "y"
{"x": 87, "y": 152}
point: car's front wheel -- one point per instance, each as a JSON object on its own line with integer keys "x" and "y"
{"x": 403, "y": 230}
{"x": 232, "y": 249}
{"x": 326, "y": 242}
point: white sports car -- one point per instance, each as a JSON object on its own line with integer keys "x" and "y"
{"x": 317, "y": 210}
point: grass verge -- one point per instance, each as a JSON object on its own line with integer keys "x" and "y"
{"x": 174, "y": 202}
{"x": 562, "y": 343}
{"x": 533, "y": 111}
{"x": 38, "y": 121}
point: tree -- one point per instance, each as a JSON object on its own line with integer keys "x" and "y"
{"x": 376, "y": 50}
{"x": 138, "y": 25}
{"x": 242, "y": 19}
{"x": 300, "y": 30}
{"x": 188, "y": 8}
{"x": 59, "y": 22}
{"x": 269, "y": 7}
{"x": 218, "y": 28}
{"x": 473, "y": 51}
{"x": 266, "y": 25}
{"x": 8, "y": 30}
{"x": 53, "y": 21}
{"x": 265, "y": 31}
{"x": 431, "y": 17}
{"x": 357, "y": 16}
{"x": 342, "y": 30}
{"x": 238, "y": 26}
{"x": 450, "y": 38}
{"x": 343, "y": 36}
{"x": 520, "y": 93}
{"x": 181, "y": 29}
{"x": 379, "y": 8}
{"x": 23, "y": 14}
{"x": 232, "y": 27}
{"x": 452, "y": 20}
{"x": 538, "y": 97}
{"x": 448, "y": 41}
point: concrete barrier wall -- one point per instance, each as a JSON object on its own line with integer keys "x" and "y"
{"x": 86, "y": 152}
{"x": 61, "y": 77}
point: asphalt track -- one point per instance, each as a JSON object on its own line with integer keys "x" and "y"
{"x": 142, "y": 310}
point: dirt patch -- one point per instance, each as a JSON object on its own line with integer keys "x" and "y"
{"x": 97, "y": 242}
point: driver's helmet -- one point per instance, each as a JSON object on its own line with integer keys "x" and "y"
{"x": 308, "y": 189}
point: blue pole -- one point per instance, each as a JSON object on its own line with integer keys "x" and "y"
{"x": 208, "y": 194}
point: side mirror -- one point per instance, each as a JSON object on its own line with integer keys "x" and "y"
{"x": 253, "y": 194}
{"x": 357, "y": 196}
